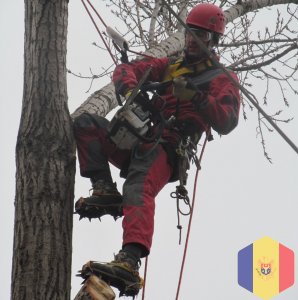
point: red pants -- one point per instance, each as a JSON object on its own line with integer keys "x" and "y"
{"x": 146, "y": 176}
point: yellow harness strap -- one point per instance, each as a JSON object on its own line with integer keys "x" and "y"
{"x": 175, "y": 70}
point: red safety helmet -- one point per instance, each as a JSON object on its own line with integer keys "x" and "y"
{"x": 207, "y": 16}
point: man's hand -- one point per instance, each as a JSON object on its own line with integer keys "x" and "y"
{"x": 182, "y": 89}
{"x": 139, "y": 97}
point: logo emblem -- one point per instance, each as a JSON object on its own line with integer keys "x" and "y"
{"x": 266, "y": 268}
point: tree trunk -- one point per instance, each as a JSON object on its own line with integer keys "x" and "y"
{"x": 45, "y": 160}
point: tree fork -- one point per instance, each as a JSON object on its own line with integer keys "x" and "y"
{"x": 45, "y": 160}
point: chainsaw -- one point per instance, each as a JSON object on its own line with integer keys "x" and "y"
{"x": 132, "y": 121}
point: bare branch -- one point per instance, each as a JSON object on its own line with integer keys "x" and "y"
{"x": 268, "y": 62}
{"x": 256, "y": 42}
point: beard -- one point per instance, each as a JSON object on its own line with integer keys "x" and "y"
{"x": 193, "y": 56}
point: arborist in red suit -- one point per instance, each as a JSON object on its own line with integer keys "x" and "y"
{"x": 211, "y": 100}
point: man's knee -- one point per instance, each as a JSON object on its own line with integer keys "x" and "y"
{"x": 86, "y": 120}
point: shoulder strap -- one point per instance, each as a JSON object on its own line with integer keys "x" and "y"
{"x": 206, "y": 76}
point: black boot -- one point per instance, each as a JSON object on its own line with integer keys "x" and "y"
{"x": 121, "y": 273}
{"x": 105, "y": 200}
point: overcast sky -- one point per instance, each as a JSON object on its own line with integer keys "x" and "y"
{"x": 240, "y": 196}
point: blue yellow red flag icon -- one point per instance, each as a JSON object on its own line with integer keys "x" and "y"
{"x": 266, "y": 268}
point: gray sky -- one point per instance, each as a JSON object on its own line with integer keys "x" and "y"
{"x": 240, "y": 196}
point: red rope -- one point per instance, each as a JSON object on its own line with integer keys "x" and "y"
{"x": 101, "y": 19}
{"x": 145, "y": 276}
{"x": 191, "y": 214}
{"x": 101, "y": 36}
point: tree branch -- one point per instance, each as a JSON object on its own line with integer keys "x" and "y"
{"x": 268, "y": 62}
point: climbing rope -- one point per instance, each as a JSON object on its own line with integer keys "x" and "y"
{"x": 145, "y": 277}
{"x": 181, "y": 194}
{"x": 100, "y": 34}
{"x": 113, "y": 35}
{"x": 208, "y": 133}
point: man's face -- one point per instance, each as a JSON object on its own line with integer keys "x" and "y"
{"x": 192, "y": 49}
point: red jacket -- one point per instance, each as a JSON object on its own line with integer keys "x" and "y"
{"x": 221, "y": 96}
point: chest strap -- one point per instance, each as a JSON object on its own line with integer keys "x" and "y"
{"x": 177, "y": 69}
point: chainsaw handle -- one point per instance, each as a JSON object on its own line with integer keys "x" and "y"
{"x": 152, "y": 86}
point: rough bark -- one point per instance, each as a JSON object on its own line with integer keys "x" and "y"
{"x": 45, "y": 160}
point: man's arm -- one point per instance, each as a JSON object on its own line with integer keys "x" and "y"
{"x": 126, "y": 76}
{"x": 221, "y": 110}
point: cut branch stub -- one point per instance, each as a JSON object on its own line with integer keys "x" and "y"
{"x": 95, "y": 289}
